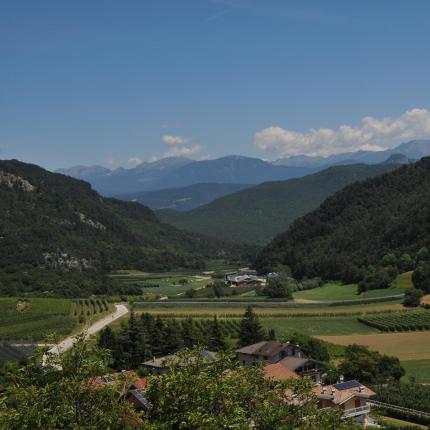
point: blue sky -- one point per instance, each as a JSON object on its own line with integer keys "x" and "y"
{"x": 112, "y": 83}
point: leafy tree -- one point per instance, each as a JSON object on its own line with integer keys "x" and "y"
{"x": 376, "y": 279}
{"x": 190, "y": 293}
{"x": 280, "y": 287}
{"x": 423, "y": 254}
{"x": 218, "y": 288}
{"x": 216, "y": 338}
{"x": 60, "y": 395}
{"x": 312, "y": 347}
{"x": 369, "y": 366}
{"x": 251, "y": 331}
{"x": 225, "y": 395}
{"x": 405, "y": 263}
{"x": 389, "y": 259}
{"x": 421, "y": 277}
{"x": 412, "y": 298}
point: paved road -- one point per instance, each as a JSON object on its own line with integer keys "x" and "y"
{"x": 67, "y": 343}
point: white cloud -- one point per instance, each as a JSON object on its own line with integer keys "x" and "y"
{"x": 174, "y": 140}
{"x": 373, "y": 134}
{"x": 183, "y": 151}
{"x": 135, "y": 161}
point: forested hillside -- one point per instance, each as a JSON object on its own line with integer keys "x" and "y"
{"x": 357, "y": 226}
{"x": 53, "y": 221}
{"x": 258, "y": 214}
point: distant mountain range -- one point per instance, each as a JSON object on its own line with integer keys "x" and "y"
{"x": 184, "y": 198}
{"x": 180, "y": 172}
{"x": 177, "y": 172}
{"x": 257, "y": 214}
{"x": 413, "y": 150}
{"x": 57, "y": 222}
{"x": 357, "y": 226}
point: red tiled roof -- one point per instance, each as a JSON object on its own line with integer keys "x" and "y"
{"x": 130, "y": 377}
{"x": 278, "y": 372}
{"x": 330, "y": 392}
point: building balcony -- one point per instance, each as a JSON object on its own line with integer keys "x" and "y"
{"x": 354, "y": 412}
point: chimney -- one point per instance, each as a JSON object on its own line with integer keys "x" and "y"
{"x": 361, "y": 388}
{"x": 341, "y": 378}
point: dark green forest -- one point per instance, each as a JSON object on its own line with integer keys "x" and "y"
{"x": 51, "y": 221}
{"x": 357, "y": 227}
{"x": 258, "y": 214}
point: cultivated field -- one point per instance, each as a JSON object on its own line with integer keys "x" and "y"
{"x": 35, "y": 318}
{"x": 405, "y": 346}
{"x": 226, "y": 310}
{"x": 401, "y": 321}
{"x": 335, "y": 291}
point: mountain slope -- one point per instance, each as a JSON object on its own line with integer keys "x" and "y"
{"x": 358, "y": 226}
{"x": 257, "y": 214}
{"x": 53, "y": 221}
{"x": 185, "y": 198}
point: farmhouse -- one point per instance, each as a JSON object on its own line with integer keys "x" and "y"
{"x": 130, "y": 385}
{"x": 244, "y": 280}
{"x": 288, "y": 355}
{"x": 350, "y": 397}
{"x": 159, "y": 366}
{"x": 267, "y": 352}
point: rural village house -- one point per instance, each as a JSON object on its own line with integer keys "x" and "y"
{"x": 158, "y": 366}
{"x": 287, "y": 354}
{"x": 132, "y": 387}
{"x": 350, "y": 397}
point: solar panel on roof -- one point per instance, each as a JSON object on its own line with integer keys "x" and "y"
{"x": 346, "y": 385}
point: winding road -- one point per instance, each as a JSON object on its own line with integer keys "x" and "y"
{"x": 64, "y": 345}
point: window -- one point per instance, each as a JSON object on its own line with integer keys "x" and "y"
{"x": 357, "y": 403}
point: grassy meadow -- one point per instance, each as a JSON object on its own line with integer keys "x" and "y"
{"x": 162, "y": 284}
{"x": 336, "y": 291}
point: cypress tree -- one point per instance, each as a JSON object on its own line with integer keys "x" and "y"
{"x": 216, "y": 339}
{"x": 172, "y": 338}
{"x": 250, "y": 331}
{"x": 107, "y": 339}
{"x": 189, "y": 333}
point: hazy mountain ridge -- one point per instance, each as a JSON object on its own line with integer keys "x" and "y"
{"x": 415, "y": 149}
{"x": 184, "y": 198}
{"x": 257, "y": 214}
{"x": 177, "y": 172}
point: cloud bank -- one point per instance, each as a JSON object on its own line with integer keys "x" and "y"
{"x": 174, "y": 140}
{"x": 372, "y": 135}
{"x": 183, "y": 151}
{"x": 177, "y": 148}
